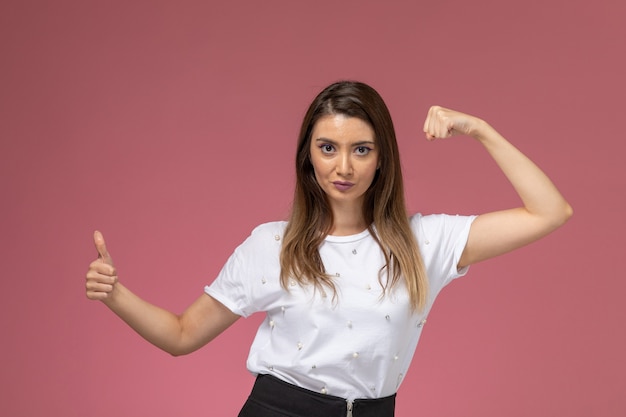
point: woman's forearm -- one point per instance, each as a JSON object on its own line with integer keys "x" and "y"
{"x": 539, "y": 195}
{"x": 158, "y": 326}
{"x": 201, "y": 322}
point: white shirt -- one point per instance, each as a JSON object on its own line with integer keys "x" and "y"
{"x": 358, "y": 345}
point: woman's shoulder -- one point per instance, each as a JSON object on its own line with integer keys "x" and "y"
{"x": 423, "y": 220}
{"x": 273, "y": 229}
{"x": 438, "y": 222}
{"x": 264, "y": 240}
{"x": 438, "y": 218}
{"x": 266, "y": 234}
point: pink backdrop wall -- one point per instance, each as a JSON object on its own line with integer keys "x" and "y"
{"x": 170, "y": 126}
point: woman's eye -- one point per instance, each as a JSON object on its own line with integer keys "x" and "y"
{"x": 362, "y": 150}
{"x": 327, "y": 148}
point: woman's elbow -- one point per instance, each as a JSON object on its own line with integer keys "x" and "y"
{"x": 568, "y": 212}
{"x": 180, "y": 351}
{"x": 561, "y": 216}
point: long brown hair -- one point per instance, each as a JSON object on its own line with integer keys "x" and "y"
{"x": 383, "y": 209}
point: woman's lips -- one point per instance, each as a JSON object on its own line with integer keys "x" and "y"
{"x": 342, "y": 185}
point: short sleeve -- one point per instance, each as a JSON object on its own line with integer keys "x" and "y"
{"x": 229, "y": 288}
{"x": 251, "y": 276}
{"x": 442, "y": 239}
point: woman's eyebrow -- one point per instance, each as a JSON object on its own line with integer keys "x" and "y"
{"x": 359, "y": 143}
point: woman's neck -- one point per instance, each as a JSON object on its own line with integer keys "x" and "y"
{"x": 348, "y": 221}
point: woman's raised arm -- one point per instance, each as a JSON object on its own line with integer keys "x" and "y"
{"x": 544, "y": 208}
{"x": 203, "y": 320}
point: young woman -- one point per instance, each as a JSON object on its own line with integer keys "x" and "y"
{"x": 347, "y": 282}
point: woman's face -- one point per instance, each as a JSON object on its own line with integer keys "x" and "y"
{"x": 345, "y": 158}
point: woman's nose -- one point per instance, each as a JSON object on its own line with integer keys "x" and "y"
{"x": 344, "y": 165}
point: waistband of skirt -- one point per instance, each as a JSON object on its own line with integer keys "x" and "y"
{"x": 276, "y": 393}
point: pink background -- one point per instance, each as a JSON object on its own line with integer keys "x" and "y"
{"x": 171, "y": 127}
